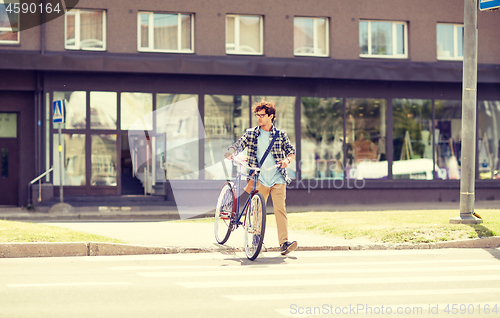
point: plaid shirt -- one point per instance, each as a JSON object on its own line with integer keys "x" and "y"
{"x": 281, "y": 149}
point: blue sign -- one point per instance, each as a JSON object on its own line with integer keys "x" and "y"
{"x": 489, "y": 5}
{"x": 58, "y": 109}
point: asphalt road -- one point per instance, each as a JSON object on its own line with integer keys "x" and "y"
{"x": 404, "y": 283}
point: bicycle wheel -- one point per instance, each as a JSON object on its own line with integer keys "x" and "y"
{"x": 224, "y": 213}
{"x": 255, "y": 226}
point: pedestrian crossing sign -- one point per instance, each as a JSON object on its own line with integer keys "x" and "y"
{"x": 58, "y": 111}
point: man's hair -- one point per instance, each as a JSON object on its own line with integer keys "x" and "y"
{"x": 269, "y": 107}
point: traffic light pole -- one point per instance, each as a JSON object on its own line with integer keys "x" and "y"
{"x": 469, "y": 93}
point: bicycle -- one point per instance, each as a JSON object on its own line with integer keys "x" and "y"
{"x": 228, "y": 215}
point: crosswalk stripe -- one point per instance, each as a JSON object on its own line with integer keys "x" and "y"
{"x": 69, "y": 284}
{"x": 288, "y": 272}
{"x": 378, "y": 293}
{"x": 338, "y": 281}
{"x": 285, "y": 266}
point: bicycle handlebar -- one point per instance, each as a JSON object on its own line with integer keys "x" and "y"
{"x": 243, "y": 164}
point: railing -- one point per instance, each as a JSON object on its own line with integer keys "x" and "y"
{"x": 39, "y": 179}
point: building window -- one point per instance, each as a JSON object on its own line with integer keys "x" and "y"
{"x": 366, "y": 138}
{"x": 488, "y": 134}
{"x": 244, "y": 34}
{"x": 165, "y": 32}
{"x": 226, "y": 120}
{"x": 76, "y": 109}
{"x": 85, "y": 30}
{"x": 322, "y": 146}
{"x": 450, "y": 41}
{"x": 383, "y": 39}
{"x": 310, "y": 36}
{"x": 412, "y": 139}
{"x": 9, "y": 22}
{"x": 448, "y": 138}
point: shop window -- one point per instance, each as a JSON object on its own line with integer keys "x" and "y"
{"x": 310, "y": 36}
{"x": 73, "y": 152}
{"x": 178, "y": 122}
{"x": 165, "y": 32}
{"x": 9, "y": 21}
{"x": 322, "y": 144}
{"x": 76, "y": 106}
{"x": 136, "y": 111}
{"x": 366, "y": 138}
{"x": 8, "y": 125}
{"x": 285, "y": 120}
{"x": 488, "y": 136}
{"x": 412, "y": 139}
{"x": 103, "y": 110}
{"x": 450, "y": 41}
{"x": 448, "y": 138}
{"x": 85, "y": 30}
{"x": 103, "y": 160}
{"x": 244, "y": 34}
{"x": 226, "y": 120}
{"x": 383, "y": 39}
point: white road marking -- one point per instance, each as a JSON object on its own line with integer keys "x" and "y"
{"x": 69, "y": 284}
{"x": 287, "y": 265}
{"x": 338, "y": 281}
{"x": 289, "y": 272}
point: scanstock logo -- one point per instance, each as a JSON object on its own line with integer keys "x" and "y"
{"x": 165, "y": 145}
{"x": 26, "y": 14}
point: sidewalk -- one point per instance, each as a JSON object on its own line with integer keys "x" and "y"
{"x": 149, "y": 232}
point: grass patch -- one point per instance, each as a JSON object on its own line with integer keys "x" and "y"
{"x": 11, "y": 231}
{"x": 421, "y": 226}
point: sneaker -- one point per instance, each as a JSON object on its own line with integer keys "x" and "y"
{"x": 288, "y": 247}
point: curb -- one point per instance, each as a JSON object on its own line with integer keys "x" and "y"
{"x": 42, "y": 249}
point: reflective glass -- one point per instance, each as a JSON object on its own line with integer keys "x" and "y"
{"x": 322, "y": 38}
{"x": 178, "y": 120}
{"x": 445, "y": 41}
{"x": 4, "y": 162}
{"x": 8, "y": 125}
{"x": 103, "y": 110}
{"x": 103, "y": 160}
{"x": 488, "y": 136}
{"x": 76, "y": 109}
{"x": 460, "y": 40}
{"x": 448, "y": 138}
{"x": 400, "y": 36}
{"x": 381, "y": 34}
{"x": 322, "y": 138}
{"x": 230, "y": 40}
{"x": 91, "y": 29}
{"x": 226, "y": 119}
{"x": 70, "y": 28}
{"x": 185, "y": 32}
{"x": 165, "y": 31}
{"x": 412, "y": 139}
{"x": 73, "y": 150}
{"x": 285, "y": 120}
{"x": 249, "y": 34}
{"x": 144, "y": 29}
{"x": 303, "y": 35}
{"x": 366, "y": 138}
{"x": 363, "y": 37}
{"x": 136, "y": 107}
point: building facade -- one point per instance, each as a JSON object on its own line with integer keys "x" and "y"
{"x": 369, "y": 93}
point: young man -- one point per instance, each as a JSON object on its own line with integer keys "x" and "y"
{"x": 273, "y": 181}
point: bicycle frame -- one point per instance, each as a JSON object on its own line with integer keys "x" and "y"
{"x": 239, "y": 176}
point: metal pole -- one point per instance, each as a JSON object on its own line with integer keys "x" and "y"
{"x": 469, "y": 92}
{"x": 60, "y": 166}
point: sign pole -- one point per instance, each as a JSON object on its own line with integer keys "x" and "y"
{"x": 469, "y": 93}
{"x": 61, "y": 196}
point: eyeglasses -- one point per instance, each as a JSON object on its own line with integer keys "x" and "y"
{"x": 260, "y": 115}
